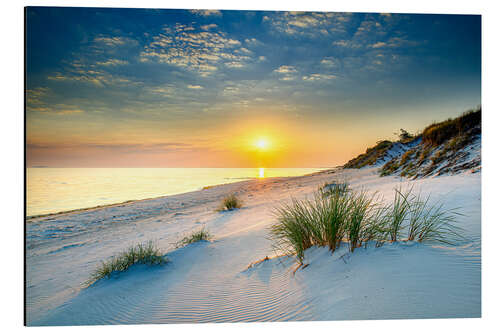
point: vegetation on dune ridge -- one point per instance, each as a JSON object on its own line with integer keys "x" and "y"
{"x": 371, "y": 156}
{"x": 145, "y": 253}
{"x": 437, "y": 133}
{"x": 439, "y": 149}
{"x": 357, "y": 218}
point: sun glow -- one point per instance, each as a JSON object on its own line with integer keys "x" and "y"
{"x": 262, "y": 144}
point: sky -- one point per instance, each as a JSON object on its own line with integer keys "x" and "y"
{"x": 208, "y": 88}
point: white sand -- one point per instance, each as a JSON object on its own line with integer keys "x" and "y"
{"x": 209, "y": 282}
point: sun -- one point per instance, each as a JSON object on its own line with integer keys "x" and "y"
{"x": 262, "y": 144}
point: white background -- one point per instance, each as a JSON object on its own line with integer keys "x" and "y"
{"x": 12, "y": 161}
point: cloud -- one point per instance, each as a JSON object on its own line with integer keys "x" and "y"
{"x": 112, "y": 62}
{"x": 201, "y": 51}
{"x": 58, "y": 109}
{"x": 166, "y": 91}
{"x": 350, "y": 44}
{"x": 330, "y": 62}
{"x": 317, "y": 77}
{"x": 234, "y": 64}
{"x": 395, "y": 42}
{"x": 209, "y": 26}
{"x": 285, "y": 70}
{"x": 206, "y": 12}
{"x": 35, "y": 96}
{"x": 308, "y": 24}
{"x": 90, "y": 76}
{"x": 378, "y": 44}
{"x": 113, "y": 41}
{"x": 160, "y": 147}
{"x": 190, "y": 86}
{"x": 244, "y": 50}
{"x": 253, "y": 42}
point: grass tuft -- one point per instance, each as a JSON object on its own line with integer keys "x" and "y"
{"x": 356, "y": 218}
{"x": 145, "y": 253}
{"x": 202, "y": 234}
{"x": 230, "y": 202}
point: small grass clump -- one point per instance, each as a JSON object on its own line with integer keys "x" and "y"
{"x": 356, "y": 218}
{"x": 200, "y": 235}
{"x": 145, "y": 253}
{"x": 335, "y": 188}
{"x": 230, "y": 202}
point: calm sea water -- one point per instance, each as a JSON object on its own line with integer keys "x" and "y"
{"x": 51, "y": 190}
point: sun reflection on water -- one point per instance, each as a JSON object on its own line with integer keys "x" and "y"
{"x": 261, "y": 173}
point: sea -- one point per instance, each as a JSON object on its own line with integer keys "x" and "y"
{"x": 53, "y": 190}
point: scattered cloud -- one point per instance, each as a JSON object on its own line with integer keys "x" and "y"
{"x": 206, "y": 12}
{"x": 56, "y": 109}
{"x": 317, "y": 77}
{"x": 209, "y": 26}
{"x": 285, "y": 69}
{"x": 190, "y": 86}
{"x": 330, "y": 62}
{"x": 309, "y": 24}
{"x": 112, "y": 62}
{"x": 234, "y": 64}
{"x": 202, "y": 51}
{"x": 113, "y": 41}
{"x": 378, "y": 44}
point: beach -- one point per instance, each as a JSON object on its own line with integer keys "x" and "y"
{"x": 216, "y": 282}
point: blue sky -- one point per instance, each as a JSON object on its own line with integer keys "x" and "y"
{"x": 137, "y": 87}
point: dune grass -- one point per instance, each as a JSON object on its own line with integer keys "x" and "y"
{"x": 230, "y": 202}
{"x": 356, "y": 218}
{"x": 397, "y": 213}
{"x": 196, "y": 236}
{"x": 145, "y": 253}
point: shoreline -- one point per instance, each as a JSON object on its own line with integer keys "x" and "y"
{"x": 33, "y": 218}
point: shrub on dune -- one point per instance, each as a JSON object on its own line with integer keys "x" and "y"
{"x": 230, "y": 202}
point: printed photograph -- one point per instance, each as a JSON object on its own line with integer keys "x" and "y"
{"x": 207, "y": 166}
